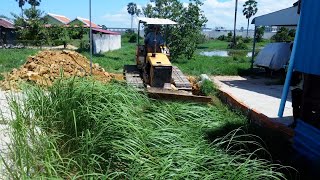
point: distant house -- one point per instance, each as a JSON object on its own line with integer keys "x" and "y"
{"x": 7, "y": 32}
{"x": 54, "y": 19}
{"x": 84, "y": 22}
{"x": 104, "y": 40}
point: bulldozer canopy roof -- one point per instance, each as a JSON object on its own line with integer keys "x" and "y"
{"x": 156, "y": 21}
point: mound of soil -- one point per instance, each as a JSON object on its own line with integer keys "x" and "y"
{"x": 195, "y": 85}
{"x": 47, "y": 66}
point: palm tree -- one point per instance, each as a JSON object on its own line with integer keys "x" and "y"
{"x": 250, "y": 9}
{"x": 33, "y": 3}
{"x": 235, "y": 24}
{"x": 133, "y": 10}
{"x": 21, "y": 4}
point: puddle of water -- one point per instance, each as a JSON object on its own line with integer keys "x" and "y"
{"x": 222, "y": 53}
{"x": 215, "y": 53}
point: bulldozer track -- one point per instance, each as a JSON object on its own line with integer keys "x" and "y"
{"x": 132, "y": 76}
{"x": 180, "y": 80}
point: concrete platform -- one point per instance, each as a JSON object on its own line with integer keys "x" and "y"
{"x": 259, "y": 97}
{"x": 4, "y": 131}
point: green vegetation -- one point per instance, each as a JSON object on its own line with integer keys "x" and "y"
{"x": 208, "y": 88}
{"x": 249, "y": 10}
{"x": 81, "y": 129}
{"x": 260, "y": 33}
{"x": 133, "y": 9}
{"x": 284, "y": 35}
{"x": 182, "y": 38}
{"x": 214, "y": 65}
{"x": 113, "y": 61}
{"x": 13, "y": 58}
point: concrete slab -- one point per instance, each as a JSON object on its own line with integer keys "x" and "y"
{"x": 259, "y": 94}
{"x": 4, "y": 131}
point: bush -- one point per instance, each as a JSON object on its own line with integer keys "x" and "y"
{"x": 284, "y": 35}
{"x": 239, "y": 45}
{"x": 238, "y": 38}
{"x": 229, "y": 37}
{"x": 208, "y": 88}
{"x": 260, "y": 33}
{"x": 247, "y": 40}
{"x": 222, "y": 38}
{"x": 202, "y": 39}
{"x": 133, "y": 38}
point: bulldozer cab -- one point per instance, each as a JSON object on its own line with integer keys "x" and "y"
{"x": 156, "y": 43}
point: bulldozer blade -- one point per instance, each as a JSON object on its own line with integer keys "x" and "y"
{"x": 159, "y": 93}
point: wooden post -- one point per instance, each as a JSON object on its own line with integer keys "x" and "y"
{"x": 235, "y": 23}
{"x": 90, "y": 38}
{"x": 254, "y": 47}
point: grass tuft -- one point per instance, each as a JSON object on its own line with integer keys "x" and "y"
{"x": 82, "y": 129}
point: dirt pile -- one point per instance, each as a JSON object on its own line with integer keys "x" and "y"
{"x": 47, "y": 66}
{"x": 195, "y": 85}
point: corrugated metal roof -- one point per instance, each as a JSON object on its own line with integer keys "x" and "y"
{"x": 157, "y": 21}
{"x": 60, "y": 18}
{"x": 6, "y": 24}
{"x": 284, "y": 17}
{"x": 105, "y": 31}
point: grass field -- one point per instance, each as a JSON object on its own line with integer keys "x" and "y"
{"x": 13, "y": 58}
{"x": 81, "y": 129}
{"x": 113, "y": 61}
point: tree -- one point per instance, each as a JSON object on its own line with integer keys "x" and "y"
{"x": 21, "y": 4}
{"x": 260, "y": 33}
{"x": 133, "y": 10}
{"x": 249, "y": 10}
{"x": 33, "y": 3}
{"x": 284, "y": 35}
{"x": 181, "y": 38}
{"x": 31, "y": 28}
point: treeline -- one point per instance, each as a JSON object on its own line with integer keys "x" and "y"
{"x": 33, "y": 29}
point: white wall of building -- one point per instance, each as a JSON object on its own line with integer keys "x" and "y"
{"x": 106, "y": 42}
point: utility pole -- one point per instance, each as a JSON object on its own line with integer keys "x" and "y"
{"x": 235, "y": 23}
{"x": 90, "y": 37}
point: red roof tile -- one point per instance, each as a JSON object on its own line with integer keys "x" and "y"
{"x": 105, "y": 31}
{"x": 87, "y": 23}
{"x": 6, "y": 24}
{"x": 60, "y": 18}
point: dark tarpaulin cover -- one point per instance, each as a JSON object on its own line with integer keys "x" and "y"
{"x": 307, "y": 57}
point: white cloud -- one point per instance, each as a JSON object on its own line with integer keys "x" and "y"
{"x": 121, "y": 19}
{"x": 218, "y": 13}
{"x": 222, "y": 13}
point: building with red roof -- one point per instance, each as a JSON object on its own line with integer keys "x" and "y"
{"x": 55, "y": 19}
{"x": 4, "y": 23}
{"x": 7, "y": 32}
{"x": 84, "y": 22}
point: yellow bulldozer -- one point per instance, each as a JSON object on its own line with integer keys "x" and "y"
{"x": 153, "y": 70}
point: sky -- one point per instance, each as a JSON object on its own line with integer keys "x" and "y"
{"x": 113, "y": 13}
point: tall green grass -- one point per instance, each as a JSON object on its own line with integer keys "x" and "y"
{"x": 82, "y": 129}
{"x": 13, "y": 58}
